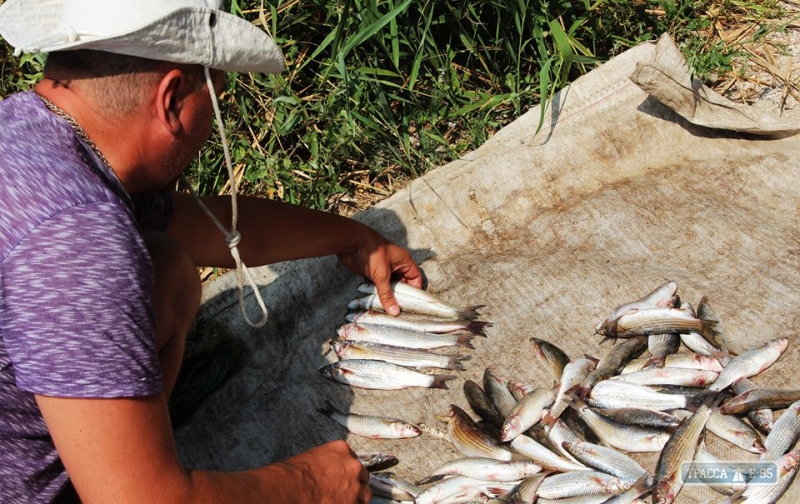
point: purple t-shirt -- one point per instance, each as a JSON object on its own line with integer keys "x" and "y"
{"x": 76, "y": 314}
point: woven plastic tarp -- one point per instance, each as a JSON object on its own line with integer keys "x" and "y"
{"x": 616, "y": 194}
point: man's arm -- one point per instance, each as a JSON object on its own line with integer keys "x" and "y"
{"x": 273, "y": 231}
{"x": 122, "y": 450}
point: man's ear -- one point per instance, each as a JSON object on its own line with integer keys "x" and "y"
{"x": 169, "y": 100}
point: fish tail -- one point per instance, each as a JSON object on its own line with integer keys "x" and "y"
{"x": 707, "y": 398}
{"x": 469, "y": 312}
{"x": 455, "y": 362}
{"x": 477, "y": 326}
{"x": 654, "y": 362}
{"x": 464, "y": 340}
{"x": 439, "y": 381}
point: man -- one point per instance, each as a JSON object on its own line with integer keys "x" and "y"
{"x": 98, "y": 282}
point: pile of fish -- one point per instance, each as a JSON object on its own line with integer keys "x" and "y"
{"x": 667, "y": 380}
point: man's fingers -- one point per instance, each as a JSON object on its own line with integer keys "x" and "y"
{"x": 388, "y": 300}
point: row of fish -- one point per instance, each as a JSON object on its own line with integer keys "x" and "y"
{"x": 382, "y": 352}
{"x": 573, "y": 442}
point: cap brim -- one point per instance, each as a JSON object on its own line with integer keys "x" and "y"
{"x": 190, "y": 35}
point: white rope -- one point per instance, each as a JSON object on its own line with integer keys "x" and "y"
{"x": 232, "y": 237}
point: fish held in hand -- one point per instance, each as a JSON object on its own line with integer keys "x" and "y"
{"x": 414, "y": 300}
{"x": 381, "y": 375}
{"x": 408, "y": 338}
{"x": 418, "y": 322}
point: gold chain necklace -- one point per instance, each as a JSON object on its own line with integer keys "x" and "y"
{"x": 76, "y": 127}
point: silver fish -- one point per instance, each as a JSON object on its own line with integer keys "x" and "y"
{"x": 750, "y": 363}
{"x": 608, "y": 460}
{"x": 705, "y": 458}
{"x": 522, "y": 493}
{"x": 496, "y": 387}
{"x": 761, "y": 419}
{"x": 760, "y": 398}
{"x": 483, "y": 468}
{"x": 416, "y": 301}
{"x": 679, "y": 450}
{"x": 574, "y": 373}
{"x": 380, "y": 375}
{"x": 642, "y": 417}
{"x": 669, "y": 376}
{"x": 631, "y": 495}
{"x": 662, "y": 296}
{"x": 527, "y": 412}
{"x": 612, "y": 362}
{"x": 407, "y": 338}
{"x": 374, "y": 427}
{"x": 657, "y": 321}
{"x": 481, "y": 405}
{"x": 736, "y": 431}
{"x": 409, "y": 357}
{"x": 784, "y": 434}
{"x": 540, "y": 454}
{"x": 418, "y": 322}
{"x": 660, "y": 346}
{"x": 686, "y": 360}
{"x": 575, "y": 483}
{"x": 630, "y": 438}
{"x": 620, "y": 394}
{"x": 787, "y": 466}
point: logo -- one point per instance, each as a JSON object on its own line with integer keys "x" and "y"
{"x": 750, "y": 473}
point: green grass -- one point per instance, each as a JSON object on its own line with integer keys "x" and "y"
{"x": 376, "y": 89}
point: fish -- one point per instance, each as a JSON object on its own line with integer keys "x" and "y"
{"x": 460, "y": 489}
{"x": 573, "y": 374}
{"x": 373, "y": 427}
{"x": 408, "y": 338}
{"x": 543, "y": 456}
{"x": 608, "y": 460}
{"x": 612, "y": 363}
{"x": 669, "y": 376}
{"x": 391, "y": 486}
{"x": 416, "y": 301}
{"x": 377, "y": 461}
{"x": 631, "y": 495}
{"x": 663, "y": 296}
{"x": 578, "y": 483}
{"x": 762, "y": 419}
{"x": 660, "y": 346}
{"x": 620, "y": 394}
{"x": 631, "y": 438}
{"x": 418, "y": 322}
{"x": 759, "y": 398}
{"x": 553, "y": 358}
{"x": 523, "y": 493}
{"x": 687, "y": 360}
{"x": 409, "y": 357}
{"x": 703, "y": 457}
{"x": 380, "y": 375}
{"x": 732, "y": 429}
{"x": 481, "y": 405}
{"x": 465, "y": 435}
{"x": 784, "y": 434}
{"x": 641, "y": 416}
{"x": 786, "y": 466}
{"x": 679, "y": 450}
{"x": 484, "y": 468}
{"x": 657, "y": 321}
{"x": 496, "y": 387}
{"x": 526, "y": 413}
{"x": 750, "y": 363}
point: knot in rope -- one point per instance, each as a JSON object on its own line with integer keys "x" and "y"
{"x": 233, "y": 239}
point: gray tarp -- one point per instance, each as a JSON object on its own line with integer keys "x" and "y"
{"x": 614, "y": 196}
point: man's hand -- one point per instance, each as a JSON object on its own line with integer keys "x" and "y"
{"x": 329, "y": 474}
{"x": 382, "y": 261}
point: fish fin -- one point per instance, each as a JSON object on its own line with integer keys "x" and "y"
{"x": 465, "y": 340}
{"x": 654, "y": 362}
{"x": 430, "y": 479}
{"x": 439, "y": 381}
{"x": 455, "y": 362}
{"x": 707, "y": 398}
{"x": 579, "y": 391}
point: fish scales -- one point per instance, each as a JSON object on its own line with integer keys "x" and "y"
{"x": 579, "y": 483}
{"x": 397, "y": 336}
{"x": 470, "y": 440}
{"x": 680, "y": 449}
{"x": 380, "y": 375}
{"x": 374, "y": 427}
{"x": 608, "y": 460}
{"x": 409, "y": 357}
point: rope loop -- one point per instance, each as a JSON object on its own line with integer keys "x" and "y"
{"x": 234, "y": 239}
